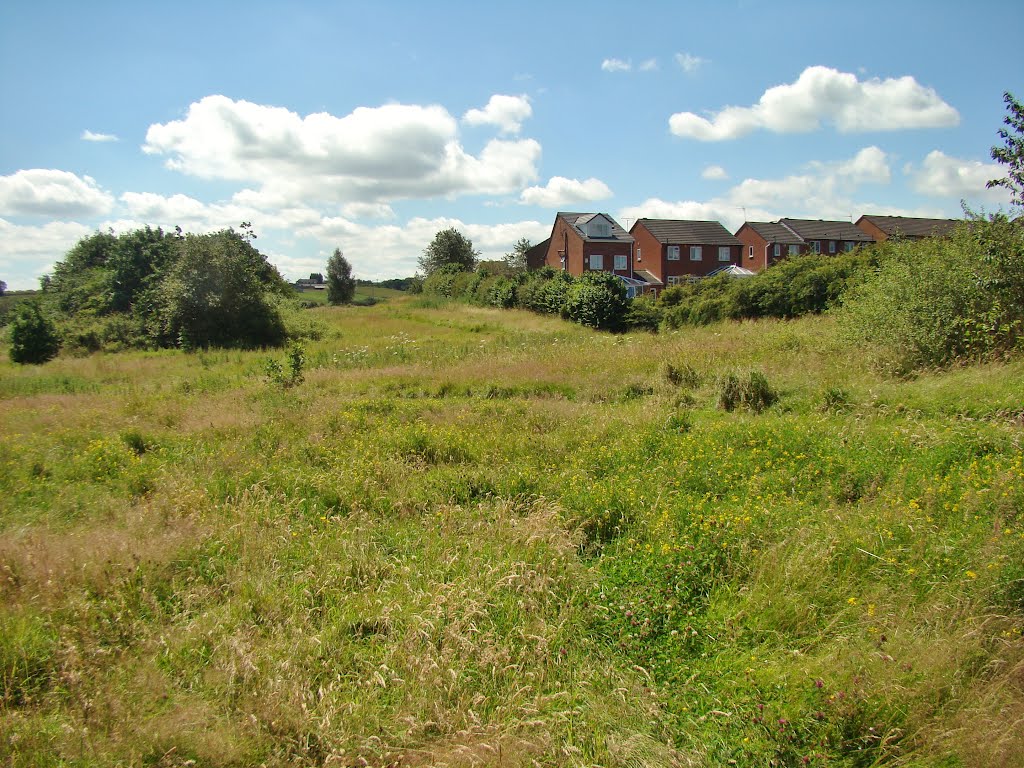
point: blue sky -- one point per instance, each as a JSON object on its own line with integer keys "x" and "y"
{"x": 371, "y": 126}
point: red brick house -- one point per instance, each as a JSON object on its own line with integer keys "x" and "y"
{"x": 881, "y": 228}
{"x": 586, "y": 242}
{"x": 766, "y": 243}
{"x": 830, "y": 237}
{"x": 673, "y": 250}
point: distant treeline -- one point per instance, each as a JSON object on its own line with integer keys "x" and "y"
{"x": 395, "y": 283}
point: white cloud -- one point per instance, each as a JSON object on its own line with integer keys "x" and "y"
{"x": 714, "y": 173}
{"x": 943, "y": 176}
{"x": 368, "y": 211}
{"x": 90, "y": 136}
{"x": 616, "y": 65}
{"x": 823, "y": 190}
{"x": 561, "y": 191}
{"x": 371, "y": 155}
{"x": 53, "y": 193}
{"x": 27, "y": 253}
{"x": 689, "y": 63}
{"x": 822, "y": 94}
{"x": 650, "y": 65}
{"x": 506, "y": 112}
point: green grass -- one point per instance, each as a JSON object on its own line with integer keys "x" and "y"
{"x": 475, "y": 537}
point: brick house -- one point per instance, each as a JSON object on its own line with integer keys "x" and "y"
{"x": 673, "y": 251}
{"x": 824, "y": 236}
{"x": 766, "y": 243}
{"x": 881, "y": 228}
{"x": 586, "y": 242}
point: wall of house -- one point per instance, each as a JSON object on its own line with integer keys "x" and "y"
{"x": 608, "y": 250}
{"x": 868, "y": 228}
{"x": 565, "y": 237}
{"x": 709, "y": 261}
{"x": 651, "y": 253}
{"x": 752, "y": 239}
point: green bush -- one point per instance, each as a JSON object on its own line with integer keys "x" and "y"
{"x": 33, "y": 335}
{"x": 753, "y": 393}
{"x": 643, "y": 314}
{"x": 598, "y": 300}
{"x": 943, "y": 300}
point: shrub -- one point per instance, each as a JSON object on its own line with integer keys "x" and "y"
{"x": 33, "y": 336}
{"x": 752, "y": 393}
{"x": 643, "y": 314}
{"x": 598, "y": 300}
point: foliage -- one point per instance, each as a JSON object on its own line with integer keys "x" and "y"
{"x": 941, "y": 301}
{"x": 3, "y": 287}
{"x": 449, "y": 248}
{"x": 516, "y": 258}
{"x": 218, "y": 293}
{"x": 752, "y": 392}
{"x": 643, "y": 314}
{"x": 341, "y": 286}
{"x": 1011, "y": 155}
{"x": 598, "y": 299}
{"x": 291, "y": 373}
{"x": 33, "y": 336}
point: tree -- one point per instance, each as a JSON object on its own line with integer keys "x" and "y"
{"x": 33, "y": 336}
{"x": 449, "y": 247}
{"x": 341, "y": 286}
{"x": 1011, "y": 155}
{"x": 3, "y": 287}
{"x": 516, "y": 259}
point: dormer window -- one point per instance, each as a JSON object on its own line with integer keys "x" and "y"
{"x": 600, "y": 229}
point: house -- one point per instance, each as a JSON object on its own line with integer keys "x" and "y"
{"x": 823, "y": 236}
{"x": 536, "y": 256}
{"x": 585, "y": 242}
{"x": 883, "y": 227}
{"x": 766, "y": 243}
{"x": 672, "y": 251}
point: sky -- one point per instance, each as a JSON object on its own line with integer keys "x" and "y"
{"x": 371, "y": 126}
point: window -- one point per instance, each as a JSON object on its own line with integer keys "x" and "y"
{"x": 831, "y": 246}
{"x": 725, "y": 253}
{"x": 596, "y": 261}
{"x": 600, "y": 229}
{"x": 750, "y": 252}
{"x": 777, "y": 250}
{"x": 674, "y": 279}
{"x": 847, "y": 246}
{"x": 620, "y": 262}
{"x": 695, "y": 253}
{"x": 794, "y": 250}
{"x": 816, "y": 246}
{"x": 638, "y": 253}
{"x": 673, "y": 253}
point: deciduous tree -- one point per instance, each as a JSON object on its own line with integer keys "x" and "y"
{"x": 516, "y": 258}
{"x": 1011, "y": 154}
{"x": 341, "y": 286}
{"x": 449, "y": 247}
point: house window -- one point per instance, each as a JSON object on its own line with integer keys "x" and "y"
{"x": 673, "y": 253}
{"x": 750, "y": 252}
{"x": 596, "y": 261}
{"x": 794, "y": 250}
{"x": 600, "y": 229}
{"x": 725, "y": 253}
{"x": 674, "y": 279}
{"x": 638, "y": 253}
{"x": 777, "y": 250}
{"x": 620, "y": 262}
{"x": 847, "y": 246}
{"x": 695, "y": 253}
{"x": 831, "y": 246}
{"x": 816, "y": 246}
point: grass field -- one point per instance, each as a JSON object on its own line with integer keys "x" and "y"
{"x": 483, "y": 537}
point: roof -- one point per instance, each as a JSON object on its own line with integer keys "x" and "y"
{"x": 909, "y": 226}
{"x": 536, "y": 255}
{"x": 732, "y": 270}
{"x": 680, "y": 232}
{"x": 774, "y": 232}
{"x": 648, "y": 277}
{"x": 576, "y": 220}
{"x": 818, "y": 229}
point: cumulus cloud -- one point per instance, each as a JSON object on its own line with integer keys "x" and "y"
{"x": 27, "y": 252}
{"x": 371, "y": 155}
{"x": 943, "y": 176}
{"x": 53, "y": 193}
{"x": 714, "y": 173}
{"x": 822, "y": 94}
{"x": 506, "y": 112}
{"x": 822, "y": 190}
{"x": 100, "y": 137}
{"x": 560, "y": 191}
{"x": 690, "y": 63}
{"x": 616, "y": 65}
{"x": 648, "y": 65}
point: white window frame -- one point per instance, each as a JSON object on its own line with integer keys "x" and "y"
{"x": 777, "y": 251}
{"x": 831, "y": 246}
{"x": 725, "y": 253}
{"x": 638, "y": 253}
{"x": 598, "y": 259}
{"x": 816, "y": 246}
{"x": 794, "y": 250}
{"x": 750, "y": 251}
{"x": 674, "y": 279}
{"x": 621, "y": 262}
{"x": 673, "y": 253}
{"x": 696, "y": 253}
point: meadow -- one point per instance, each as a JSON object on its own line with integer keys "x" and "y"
{"x": 477, "y": 537}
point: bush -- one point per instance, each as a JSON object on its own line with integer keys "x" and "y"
{"x": 33, "y": 336}
{"x": 598, "y": 300}
{"x": 943, "y": 300}
{"x": 752, "y": 393}
{"x": 643, "y": 314}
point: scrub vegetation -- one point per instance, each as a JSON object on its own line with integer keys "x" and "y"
{"x": 445, "y": 534}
